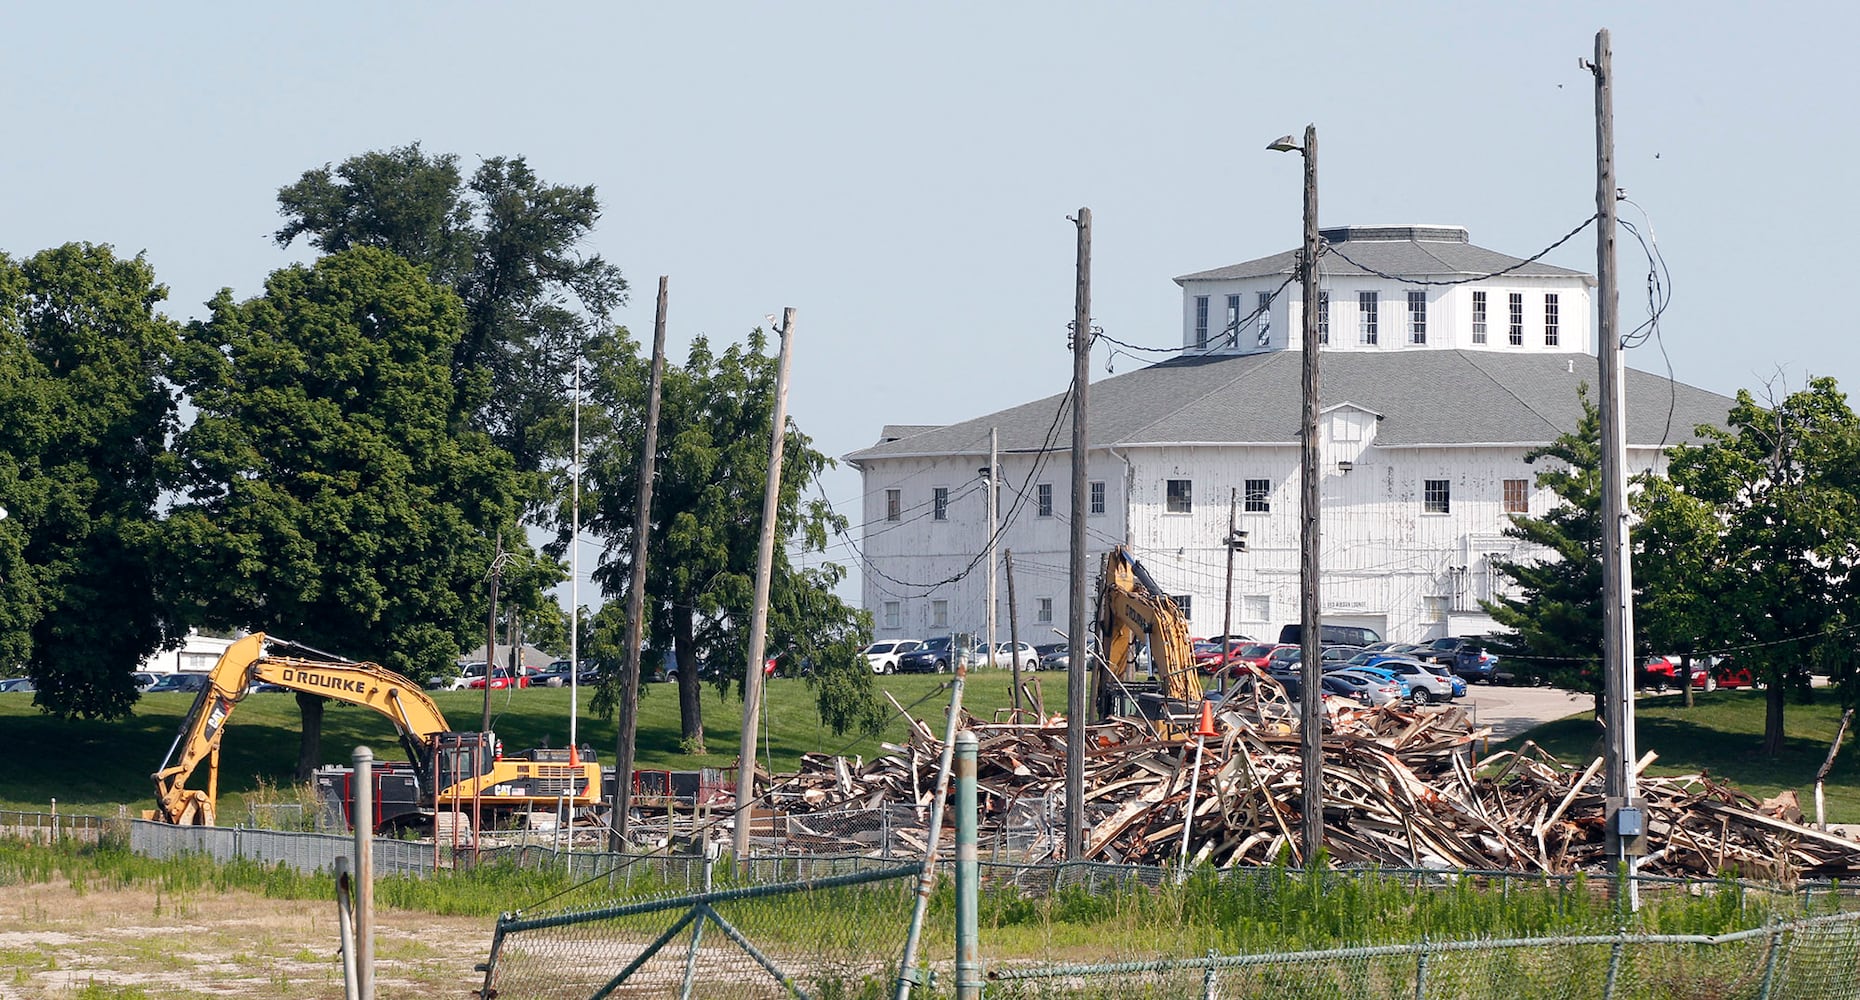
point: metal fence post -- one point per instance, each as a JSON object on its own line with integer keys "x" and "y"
{"x": 968, "y": 870}
{"x": 1210, "y": 978}
{"x": 365, "y": 873}
{"x": 1420, "y": 972}
{"x": 1614, "y": 963}
{"x": 1769, "y": 959}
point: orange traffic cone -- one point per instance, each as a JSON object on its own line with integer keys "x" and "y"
{"x": 1205, "y": 728}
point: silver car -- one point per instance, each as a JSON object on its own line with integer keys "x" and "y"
{"x": 1378, "y": 690}
{"x": 883, "y": 654}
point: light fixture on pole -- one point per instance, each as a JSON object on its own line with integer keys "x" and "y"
{"x": 1311, "y": 735}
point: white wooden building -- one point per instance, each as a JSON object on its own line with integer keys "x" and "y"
{"x": 1432, "y": 394}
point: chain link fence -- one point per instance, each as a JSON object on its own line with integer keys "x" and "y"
{"x": 837, "y": 936}
{"x": 1811, "y": 959}
{"x": 787, "y": 922}
{"x": 45, "y": 827}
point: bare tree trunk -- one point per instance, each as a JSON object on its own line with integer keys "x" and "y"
{"x": 1773, "y": 717}
{"x": 310, "y": 742}
{"x": 690, "y": 685}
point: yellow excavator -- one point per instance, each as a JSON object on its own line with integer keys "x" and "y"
{"x": 1130, "y": 607}
{"x": 449, "y": 770}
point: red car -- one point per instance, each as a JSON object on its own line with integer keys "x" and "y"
{"x": 501, "y": 679}
{"x": 1662, "y": 672}
{"x": 1728, "y": 673}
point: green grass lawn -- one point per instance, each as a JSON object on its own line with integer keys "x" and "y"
{"x": 1722, "y": 734}
{"x": 93, "y": 767}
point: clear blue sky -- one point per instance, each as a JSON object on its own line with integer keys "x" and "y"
{"x": 902, "y": 175}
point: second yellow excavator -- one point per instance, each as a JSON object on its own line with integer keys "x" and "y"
{"x": 1130, "y": 607}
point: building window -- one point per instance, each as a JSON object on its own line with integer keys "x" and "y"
{"x": 894, "y": 504}
{"x": 1434, "y": 608}
{"x": 1323, "y": 317}
{"x": 1181, "y": 497}
{"x": 1044, "y": 614}
{"x": 1517, "y": 497}
{"x": 1436, "y": 496}
{"x": 1185, "y": 602}
{"x": 939, "y": 502}
{"x": 939, "y": 614}
{"x": 894, "y": 615}
{"x": 1478, "y": 317}
{"x": 1265, "y": 319}
{"x": 1517, "y": 319}
{"x": 1417, "y": 317}
{"x": 1201, "y": 322}
{"x": 1550, "y": 319}
{"x": 1097, "y": 499}
{"x": 1043, "y": 499}
{"x": 1256, "y": 607}
{"x": 1366, "y": 317}
{"x": 1258, "y": 496}
{"x": 1231, "y": 332}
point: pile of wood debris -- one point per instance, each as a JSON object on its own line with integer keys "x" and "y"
{"x": 1402, "y": 788}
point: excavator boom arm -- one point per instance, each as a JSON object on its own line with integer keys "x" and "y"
{"x": 1130, "y": 604}
{"x": 413, "y": 714}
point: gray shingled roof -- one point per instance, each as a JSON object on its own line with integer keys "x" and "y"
{"x": 1410, "y": 251}
{"x": 1425, "y": 397}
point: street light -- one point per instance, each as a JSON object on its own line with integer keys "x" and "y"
{"x": 1311, "y": 735}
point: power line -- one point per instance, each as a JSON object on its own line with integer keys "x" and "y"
{"x": 1532, "y": 259}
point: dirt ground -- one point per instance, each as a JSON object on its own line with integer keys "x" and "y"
{"x": 57, "y": 943}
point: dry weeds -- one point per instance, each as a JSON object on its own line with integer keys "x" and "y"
{"x": 106, "y": 944}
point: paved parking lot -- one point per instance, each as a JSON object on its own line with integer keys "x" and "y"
{"x": 1512, "y": 710}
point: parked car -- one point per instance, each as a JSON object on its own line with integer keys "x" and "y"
{"x": 1008, "y": 654}
{"x": 1211, "y": 656}
{"x": 554, "y": 675}
{"x": 883, "y": 654}
{"x": 1332, "y": 635}
{"x": 179, "y": 682}
{"x": 1728, "y": 673}
{"x": 1443, "y": 649}
{"x": 457, "y": 679}
{"x": 501, "y": 678}
{"x": 1284, "y": 653}
{"x": 1473, "y": 662}
{"x": 144, "y": 680}
{"x": 1381, "y": 673}
{"x": 932, "y": 657}
{"x": 17, "y": 685}
{"x": 1338, "y": 654}
{"x": 1255, "y": 653}
{"x": 1372, "y": 690}
{"x": 1051, "y": 652}
{"x": 1424, "y": 685}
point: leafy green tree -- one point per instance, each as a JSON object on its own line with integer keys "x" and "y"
{"x": 1554, "y": 625}
{"x": 1783, "y": 481}
{"x": 1677, "y": 578}
{"x": 327, "y": 495}
{"x": 84, "y": 417}
{"x": 712, "y": 467}
{"x": 509, "y": 244}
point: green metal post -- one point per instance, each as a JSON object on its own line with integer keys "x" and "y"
{"x": 968, "y": 872}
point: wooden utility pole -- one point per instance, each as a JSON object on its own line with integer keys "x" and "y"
{"x": 1310, "y": 579}
{"x": 1227, "y": 604}
{"x": 624, "y": 743}
{"x": 759, "y": 611}
{"x": 1624, "y": 812}
{"x": 1078, "y": 671}
{"x": 490, "y": 633}
{"x": 1013, "y": 628}
{"x": 988, "y": 482}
